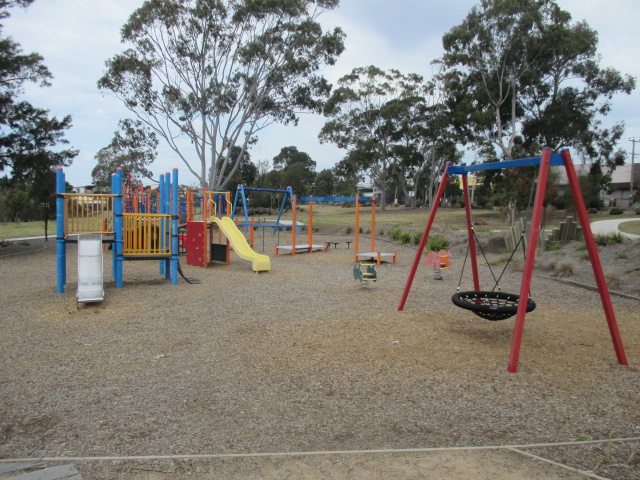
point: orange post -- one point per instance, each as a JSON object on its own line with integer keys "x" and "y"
{"x": 251, "y": 232}
{"x": 373, "y": 226}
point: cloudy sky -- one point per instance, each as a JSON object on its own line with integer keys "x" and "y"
{"x": 75, "y": 37}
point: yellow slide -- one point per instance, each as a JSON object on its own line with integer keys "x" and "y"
{"x": 259, "y": 263}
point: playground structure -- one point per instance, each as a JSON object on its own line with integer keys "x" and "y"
{"x": 296, "y": 247}
{"x": 133, "y": 236}
{"x": 208, "y": 216}
{"x": 438, "y": 261}
{"x": 509, "y": 304}
{"x": 366, "y": 276}
{"x": 276, "y": 227}
{"x": 373, "y": 255}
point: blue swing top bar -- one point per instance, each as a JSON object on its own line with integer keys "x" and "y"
{"x": 335, "y": 199}
{"x": 556, "y": 160}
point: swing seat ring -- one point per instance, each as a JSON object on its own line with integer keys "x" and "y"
{"x": 491, "y": 305}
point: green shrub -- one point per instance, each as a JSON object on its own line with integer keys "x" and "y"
{"x": 605, "y": 239}
{"x": 349, "y": 230}
{"x": 395, "y": 233}
{"x": 416, "y": 237}
{"x": 616, "y": 211}
{"x": 437, "y": 243}
{"x": 405, "y": 237}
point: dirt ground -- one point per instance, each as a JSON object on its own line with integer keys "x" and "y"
{"x": 304, "y": 359}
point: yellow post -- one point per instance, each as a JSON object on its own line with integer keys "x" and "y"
{"x": 207, "y": 233}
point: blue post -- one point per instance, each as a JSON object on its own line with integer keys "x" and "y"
{"x": 174, "y": 228}
{"x": 166, "y": 226}
{"x": 288, "y": 191}
{"x": 118, "y": 223}
{"x": 235, "y": 201}
{"x": 61, "y": 246}
{"x": 160, "y": 209}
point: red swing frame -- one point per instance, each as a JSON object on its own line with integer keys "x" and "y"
{"x": 545, "y": 161}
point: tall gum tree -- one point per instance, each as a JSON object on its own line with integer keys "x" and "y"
{"x": 217, "y": 72}
{"x": 365, "y": 114}
{"x": 520, "y": 76}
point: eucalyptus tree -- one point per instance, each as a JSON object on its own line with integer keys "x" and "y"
{"x": 365, "y": 112}
{"x": 133, "y": 148}
{"x": 208, "y": 75}
{"x": 425, "y": 142}
{"x": 520, "y": 75}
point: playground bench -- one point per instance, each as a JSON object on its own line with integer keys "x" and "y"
{"x": 348, "y": 244}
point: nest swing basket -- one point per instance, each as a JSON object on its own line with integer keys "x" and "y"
{"x": 492, "y": 306}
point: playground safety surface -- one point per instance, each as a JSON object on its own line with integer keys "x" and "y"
{"x": 303, "y": 359}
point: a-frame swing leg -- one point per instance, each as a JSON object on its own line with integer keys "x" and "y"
{"x": 425, "y": 236}
{"x": 472, "y": 240}
{"x": 525, "y": 285}
{"x": 594, "y": 257}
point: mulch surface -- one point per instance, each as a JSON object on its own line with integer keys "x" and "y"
{"x": 304, "y": 358}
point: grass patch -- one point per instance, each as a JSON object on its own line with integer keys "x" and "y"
{"x": 621, "y": 256}
{"x": 402, "y": 217}
{"x": 630, "y": 227}
{"x": 25, "y": 229}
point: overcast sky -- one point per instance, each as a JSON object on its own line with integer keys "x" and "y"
{"x": 75, "y": 37}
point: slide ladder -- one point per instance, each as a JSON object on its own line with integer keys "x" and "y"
{"x": 259, "y": 262}
{"x": 90, "y": 268}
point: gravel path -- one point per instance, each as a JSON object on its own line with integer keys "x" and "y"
{"x": 304, "y": 358}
